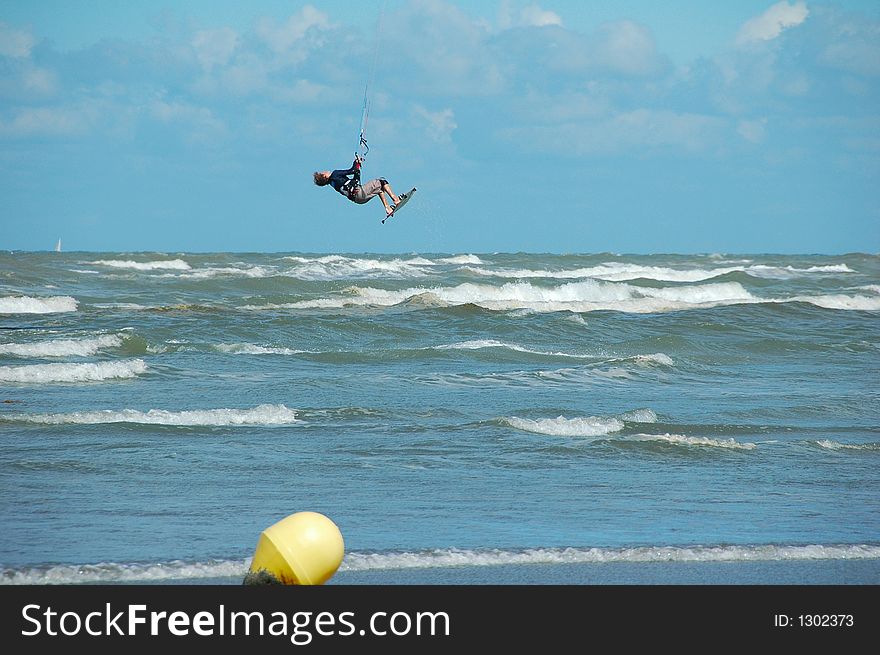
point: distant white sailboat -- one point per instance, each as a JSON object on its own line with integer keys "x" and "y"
{"x": 58, "y": 246}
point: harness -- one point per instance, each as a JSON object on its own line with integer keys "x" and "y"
{"x": 351, "y": 186}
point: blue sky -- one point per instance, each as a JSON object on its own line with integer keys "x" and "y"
{"x": 626, "y": 126}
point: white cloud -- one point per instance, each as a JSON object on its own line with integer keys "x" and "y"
{"x": 627, "y": 47}
{"x": 282, "y": 38}
{"x": 15, "y": 43}
{"x": 439, "y": 124}
{"x": 438, "y": 50}
{"x": 27, "y": 82}
{"x": 215, "y": 47}
{"x": 752, "y": 131}
{"x": 534, "y": 16}
{"x": 770, "y": 24}
{"x": 203, "y": 126}
{"x": 244, "y": 80}
{"x": 303, "y": 91}
{"x": 39, "y": 80}
{"x": 529, "y": 16}
{"x": 50, "y": 121}
{"x": 854, "y": 47}
{"x": 639, "y": 131}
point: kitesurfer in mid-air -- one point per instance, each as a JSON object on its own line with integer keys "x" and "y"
{"x": 348, "y": 183}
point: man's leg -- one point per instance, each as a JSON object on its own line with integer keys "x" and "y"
{"x": 385, "y": 202}
{"x": 387, "y": 189}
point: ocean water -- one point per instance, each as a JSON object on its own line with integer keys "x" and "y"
{"x": 159, "y": 410}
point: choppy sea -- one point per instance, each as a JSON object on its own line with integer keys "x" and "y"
{"x": 159, "y": 410}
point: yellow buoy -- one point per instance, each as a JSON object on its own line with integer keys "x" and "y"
{"x": 305, "y": 548}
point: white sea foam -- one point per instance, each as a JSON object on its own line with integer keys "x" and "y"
{"x": 538, "y": 379}
{"x": 639, "y": 416}
{"x": 30, "y": 305}
{"x": 119, "y": 305}
{"x": 623, "y": 271}
{"x": 62, "y": 347}
{"x": 584, "y": 296}
{"x": 108, "y": 572}
{"x": 160, "y": 264}
{"x": 683, "y": 440}
{"x": 835, "y": 445}
{"x": 652, "y": 359}
{"x": 226, "y": 271}
{"x": 253, "y": 349}
{"x": 704, "y": 294}
{"x": 590, "y": 426}
{"x": 260, "y": 415}
{"x": 462, "y": 259}
{"x": 443, "y": 558}
{"x": 336, "y": 267}
{"x": 841, "y": 301}
{"x": 478, "y": 344}
{"x": 786, "y": 272}
{"x": 88, "y": 372}
{"x": 612, "y": 272}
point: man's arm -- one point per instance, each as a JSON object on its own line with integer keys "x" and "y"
{"x": 340, "y": 178}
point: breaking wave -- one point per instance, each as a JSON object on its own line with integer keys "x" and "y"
{"x": 600, "y": 426}
{"x": 333, "y": 267}
{"x": 90, "y": 372}
{"x": 260, "y": 415}
{"x": 29, "y": 305}
{"x": 253, "y": 349}
{"x": 461, "y": 259}
{"x": 619, "y": 272}
{"x": 159, "y": 264}
{"x": 842, "y": 301}
{"x": 835, "y": 445}
{"x": 591, "y": 426}
{"x": 683, "y": 440}
{"x": 62, "y": 347}
{"x": 479, "y": 344}
{"x": 584, "y": 296}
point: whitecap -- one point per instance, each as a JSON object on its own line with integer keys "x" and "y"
{"x": 479, "y": 344}
{"x": 462, "y": 259}
{"x": 253, "y": 349}
{"x": 30, "y": 305}
{"x": 841, "y": 301}
{"x": 62, "y": 347}
{"x": 88, "y": 372}
{"x": 835, "y": 445}
{"x": 590, "y": 426}
{"x": 683, "y": 440}
{"x": 226, "y": 271}
{"x": 336, "y": 267}
{"x": 639, "y": 416}
{"x": 172, "y": 264}
{"x": 261, "y": 415}
{"x": 583, "y": 296}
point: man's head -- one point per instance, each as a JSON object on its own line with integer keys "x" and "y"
{"x": 322, "y": 178}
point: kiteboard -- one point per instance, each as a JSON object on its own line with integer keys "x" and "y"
{"x": 404, "y": 198}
